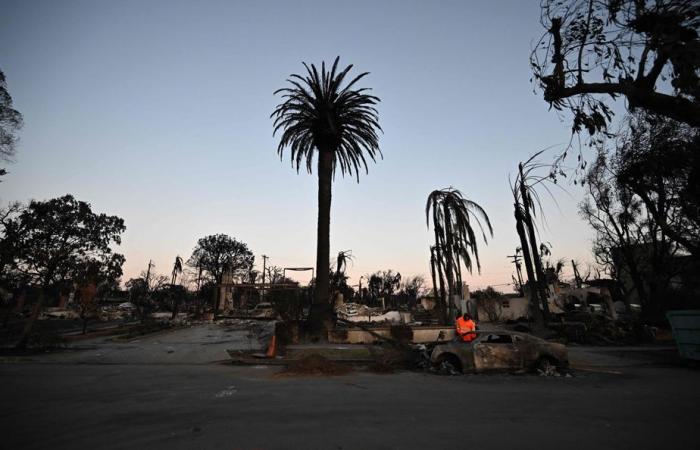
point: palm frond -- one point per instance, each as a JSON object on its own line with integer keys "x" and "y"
{"x": 318, "y": 114}
{"x": 453, "y": 218}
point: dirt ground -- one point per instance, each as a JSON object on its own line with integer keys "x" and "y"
{"x": 137, "y": 397}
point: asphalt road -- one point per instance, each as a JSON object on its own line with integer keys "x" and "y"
{"x": 60, "y": 402}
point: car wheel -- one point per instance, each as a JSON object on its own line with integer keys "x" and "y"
{"x": 547, "y": 367}
{"x": 448, "y": 365}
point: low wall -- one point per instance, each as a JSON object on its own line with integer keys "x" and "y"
{"x": 421, "y": 335}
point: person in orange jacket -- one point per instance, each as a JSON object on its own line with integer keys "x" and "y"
{"x": 466, "y": 328}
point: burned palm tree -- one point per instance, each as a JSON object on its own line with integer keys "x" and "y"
{"x": 341, "y": 262}
{"x": 320, "y": 118}
{"x": 455, "y": 246}
{"x": 177, "y": 270}
{"x": 526, "y": 204}
{"x": 436, "y": 268}
{"x": 338, "y": 277}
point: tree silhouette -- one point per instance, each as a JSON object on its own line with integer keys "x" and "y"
{"x": 659, "y": 162}
{"x": 61, "y": 240}
{"x": 319, "y": 118}
{"x": 219, "y": 254}
{"x": 10, "y": 123}
{"x": 643, "y": 50}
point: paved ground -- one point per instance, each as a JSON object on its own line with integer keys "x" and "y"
{"x": 202, "y": 344}
{"x": 66, "y": 401}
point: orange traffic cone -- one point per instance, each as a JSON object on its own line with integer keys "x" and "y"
{"x": 272, "y": 348}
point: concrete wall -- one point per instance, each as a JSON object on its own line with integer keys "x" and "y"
{"x": 516, "y": 307}
{"x": 359, "y": 336}
{"x": 519, "y": 306}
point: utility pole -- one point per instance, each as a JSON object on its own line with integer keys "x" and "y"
{"x": 262, "y": 292}
{"x": 142, "y": 303}
{"x": 518, "y": 269}
{"x": 200, "y": 301}
{"x": 577, "y": 276}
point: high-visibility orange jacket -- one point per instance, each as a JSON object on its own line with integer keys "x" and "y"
{"x": 466, "y": 328}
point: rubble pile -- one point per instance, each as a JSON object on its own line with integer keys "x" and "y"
{"x": 389, "y": 360}
{"x": 598, "y": 329}
{"x": 315, "y": 364}
{"x": 58, "y": 313}
{"x": 357, "y": 312}
{"x": 348, "y": 310}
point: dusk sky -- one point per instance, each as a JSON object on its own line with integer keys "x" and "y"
{"x": 158, "y": 112}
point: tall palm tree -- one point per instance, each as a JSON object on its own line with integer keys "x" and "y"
{"x": 318, "y": 117}
{"x": 455, "y": 240}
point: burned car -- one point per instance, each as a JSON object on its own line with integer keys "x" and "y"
{"x": 500, "y": 351}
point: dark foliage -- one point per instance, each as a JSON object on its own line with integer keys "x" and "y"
{"x": 642, "y": 203}
{"x": 646, "y": 51}
{"x": 219, "y": 254}
{"x": 56, "y": 242}
{"x": 10, "y": 123}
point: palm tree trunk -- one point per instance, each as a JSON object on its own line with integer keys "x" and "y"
{"x": 438, "y": 302}
{"x": 527, "y": 218}
{"x": 541, "y": 281}
{"x": 449, "y": 262}
{"x": 176, "y": 304}
{"x": 321, "y": 314}
{"x": 172, "y": 289}
{"x": 432, "y": 273}
{"x": 439, "y": 260}
{"x": 443, "y": 296}
{"x": 531, "y": 280}
{"x": 459, "y": 282}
